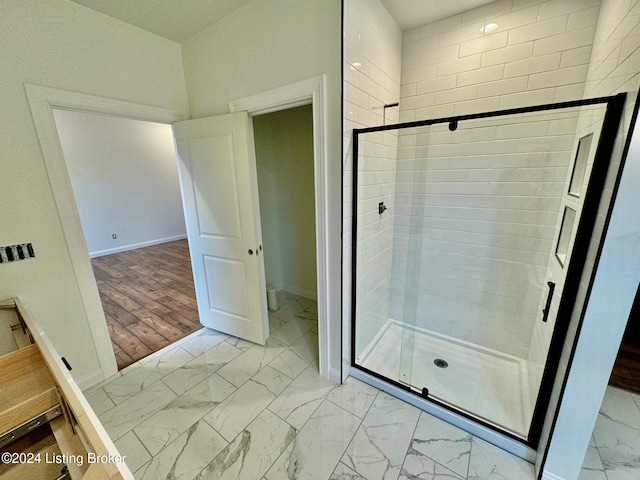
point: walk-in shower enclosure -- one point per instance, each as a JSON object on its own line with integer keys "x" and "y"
{"x": 470, "y": 235}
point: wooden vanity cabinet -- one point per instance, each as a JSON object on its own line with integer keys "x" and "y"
{"x": 37, "y": 392}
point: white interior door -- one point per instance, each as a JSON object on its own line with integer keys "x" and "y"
{"x": 220, "y": 195}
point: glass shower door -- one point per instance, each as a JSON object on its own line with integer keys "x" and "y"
{"x": 409, "y": 228}
{"x": 465, "y": 233}
{"x": 485, "y": 206}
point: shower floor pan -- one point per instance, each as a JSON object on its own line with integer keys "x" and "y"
{"x": 484, "y": 383}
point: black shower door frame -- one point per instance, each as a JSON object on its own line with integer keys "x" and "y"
{"x": 610, "y": 125}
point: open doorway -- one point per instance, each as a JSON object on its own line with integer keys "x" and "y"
{"x": 284, "y": 152}
{"x": 43, "y": 100}
{"x": 626, "y": 370}
{"x": 123, "y": 174}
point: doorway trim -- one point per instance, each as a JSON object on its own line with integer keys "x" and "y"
{"x": 42, "y": 101}
{"x": 310, "y": 91}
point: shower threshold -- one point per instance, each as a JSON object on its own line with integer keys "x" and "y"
{"x": 485, "y": 383}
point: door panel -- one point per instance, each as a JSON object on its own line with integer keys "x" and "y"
{"x": 217, "y": 173}
{"x": 215, "y": 186}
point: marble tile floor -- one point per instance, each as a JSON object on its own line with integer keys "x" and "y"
{"x": 215, "y": 407}
{"x": 614, "y": 450}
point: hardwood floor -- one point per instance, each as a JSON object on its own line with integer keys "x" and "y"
{"x": 148, "y": 298}
{"x": 626, "y": 370}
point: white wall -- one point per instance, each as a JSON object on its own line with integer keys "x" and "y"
{"x": 268, "y": 44}
{"x": 124, "y": 177}
{"x": 372, "y": 43}
{"x": 61, "y": 44}
{"x": 284, "y": 160}
{"x": 615, "y": 67}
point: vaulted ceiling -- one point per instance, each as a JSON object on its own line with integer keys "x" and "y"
{"x": 178, "y": 20}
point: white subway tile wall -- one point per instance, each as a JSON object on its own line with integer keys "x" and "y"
{"x": 477, "y": 210}
{"x": 372, "y": 42}
{"x": 490, "y": 195}
{"x": 529, "y": 39}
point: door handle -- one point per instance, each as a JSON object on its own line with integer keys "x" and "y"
{"x": 250, "y": 252}
{"x": 547, "y": 307}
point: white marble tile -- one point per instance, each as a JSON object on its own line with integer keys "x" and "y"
{"x": 201, "y": 367}
{"x": 132, "y": 383}
{"x": 293, "y": 361}
{"x": 342, "y": 472}
{"x": 99, "y": 401}
{"x": 354, "y": 396}
{"x": 317, "y": 448}
{"x": 586, "y": 474}
{"x": 167, "y": 360}
{"x": 289, "y": 363}
{"x": 291, "y": 331}
{"x": 309, "y": 315}
{"x": 253, "y": 451}
{"x": 619, "y": 406}
{"x": 305, "y": 303}
{"x": 124, "y": 417}
{"x": 274, "y": 380}
{"x": 285, "y": 312}
{"x": 135, "y": 454}
{"x": 250, "y": 362}
{"x": 206, "y": 339}
{"x": 419, "y": 467}
{"x": 284, "y": 297}
{"x": 241, "y": 407}
{"x": 274, "y": 322}
{"x": 310, "y": 311}
{"x": 307, "y": 346}
{"x": 186, "y": 456}
{"x": 623, "y": 472}
{"x": 592, "y": 459}
{"x": 171, "y": 421}
{"x": 300, "y": 399}
{"x": 619, "y": 447}
{"x": 239, "y": 343}
{"x": 380, "y": 444}
{"x": 140, "y": 472}
{"x": 489, "y": 462}
{"x": 442, "y": 442}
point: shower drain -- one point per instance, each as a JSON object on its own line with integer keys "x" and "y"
{"x": 440, "y": 363}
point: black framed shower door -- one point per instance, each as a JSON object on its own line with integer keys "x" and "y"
{"x": 570, "y": 261}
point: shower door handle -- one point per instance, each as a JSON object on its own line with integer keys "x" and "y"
{"x": 545, "y": 311}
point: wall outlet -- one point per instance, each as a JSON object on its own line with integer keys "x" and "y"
{"x": 114, "y": 236}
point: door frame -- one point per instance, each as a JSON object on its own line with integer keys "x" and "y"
{"x": 306, "y": 92}
{"x": 42, "y": 101}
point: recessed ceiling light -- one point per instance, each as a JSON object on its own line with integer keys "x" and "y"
{"x": 356, "y": 64}
{"x": 489, "y": 27}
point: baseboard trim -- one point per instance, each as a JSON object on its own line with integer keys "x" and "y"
{"x": 300, "y": 291}
{"x": 550, "y": 476}
{"x": 125, "y": 248}
{"x": 334, "y": 375}
{"x": 90, "y": 379}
